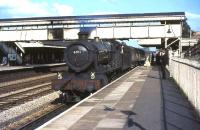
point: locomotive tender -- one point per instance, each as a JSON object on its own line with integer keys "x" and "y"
{"x": 92, "y": 63}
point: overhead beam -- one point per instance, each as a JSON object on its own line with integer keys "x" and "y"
{"x": 119, "y": 32}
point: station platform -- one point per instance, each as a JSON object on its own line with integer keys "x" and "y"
{"x": 139, "y": 100}
{"x": 13, "y": 68}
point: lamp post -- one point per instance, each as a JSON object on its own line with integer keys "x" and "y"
{"x": 169, "y": 30}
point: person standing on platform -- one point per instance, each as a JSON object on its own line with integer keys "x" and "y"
{"x": 158, "y": 58}
{"x": 152, "y": 58}
{"x": 163, "y": 62}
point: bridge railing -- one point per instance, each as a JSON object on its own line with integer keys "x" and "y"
{"x": 186, "y": 73}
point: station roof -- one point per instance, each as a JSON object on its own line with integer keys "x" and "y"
{"x": 37, "y": 45}
{"x": 94, "y": 19}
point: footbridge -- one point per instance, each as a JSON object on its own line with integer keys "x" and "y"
{"x": 160, "y": 28}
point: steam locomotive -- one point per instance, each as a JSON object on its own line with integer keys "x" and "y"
{"x": 92, "y": 64}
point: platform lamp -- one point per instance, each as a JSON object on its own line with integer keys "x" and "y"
{"x": 169, "y": 30}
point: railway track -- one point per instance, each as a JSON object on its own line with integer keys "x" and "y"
{"x": 25, "y": 80}
{"x": 28, "y": 73}
{"x": 19, "y": 91}
{"x": 24, "y": 94}
{"x": 9, "y": 100}
{"x": 36, "y": 117}
{"x": 40, "y": 117}
{"x": 19, "y": 75}
{"x": 10, "y": 87}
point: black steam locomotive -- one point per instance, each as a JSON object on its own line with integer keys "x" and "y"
{"x": 92, "y": 64}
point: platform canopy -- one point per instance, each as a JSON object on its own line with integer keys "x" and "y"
{"x": 115, "y": 26}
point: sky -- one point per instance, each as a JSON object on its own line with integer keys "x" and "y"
{"x": 43, "y": 8}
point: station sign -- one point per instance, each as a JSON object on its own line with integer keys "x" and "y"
{"x": 12, "y": 56}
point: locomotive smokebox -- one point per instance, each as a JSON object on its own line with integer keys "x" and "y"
{"x": 78, "y": 56}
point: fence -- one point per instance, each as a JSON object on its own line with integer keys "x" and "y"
{"x": 187, "y": 75}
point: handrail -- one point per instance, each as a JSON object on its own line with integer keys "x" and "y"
{"x": 188, "y": 62}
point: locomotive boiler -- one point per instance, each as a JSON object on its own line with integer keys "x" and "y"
{"x": 92, "y": 64}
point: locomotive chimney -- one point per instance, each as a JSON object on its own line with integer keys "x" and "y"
{"x": 83, "y": 35}
{"x": 96, "y": 39}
